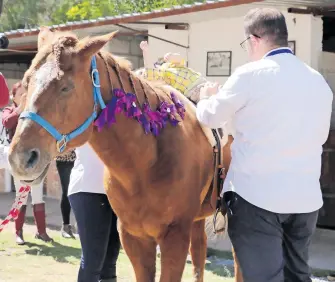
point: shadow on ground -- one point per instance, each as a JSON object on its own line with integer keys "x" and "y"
{"x": 219, "y": 263}
{"x": 58, "y": 252}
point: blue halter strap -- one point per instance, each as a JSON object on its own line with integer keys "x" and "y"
{"x": 63, "y": 139}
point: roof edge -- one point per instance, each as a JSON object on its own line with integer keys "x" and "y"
{"x": 124, "y": 19}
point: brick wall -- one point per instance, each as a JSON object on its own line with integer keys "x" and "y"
{"x": 128, "y": 47}
{"x": 13, "y": 72}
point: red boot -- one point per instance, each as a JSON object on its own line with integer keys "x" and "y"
{"x": 19, "y": 225}
{"x": 39, "y": 214}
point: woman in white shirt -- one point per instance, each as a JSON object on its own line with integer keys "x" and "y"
{"x": 95, "y": 218}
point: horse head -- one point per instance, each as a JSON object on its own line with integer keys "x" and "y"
{"x": 59, "y": 100}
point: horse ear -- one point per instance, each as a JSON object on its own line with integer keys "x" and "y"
{"x": 44, "y": 35}
{"x": 89, "y": 47}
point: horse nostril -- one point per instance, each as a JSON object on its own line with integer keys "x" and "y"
{"x": 33, "y": 156}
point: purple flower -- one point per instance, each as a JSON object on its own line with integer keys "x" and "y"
{"x": 131, "y": 108}
{"x": 180, "y": 107}
{"x": 142, "y": 119}
{"x": 151, "y": 121}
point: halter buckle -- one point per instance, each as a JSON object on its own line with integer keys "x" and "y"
{"x": 95, "y": 71}
{"x": 61, "y": 144}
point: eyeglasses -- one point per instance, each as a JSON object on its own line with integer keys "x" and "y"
{"x": 243, "y": 43}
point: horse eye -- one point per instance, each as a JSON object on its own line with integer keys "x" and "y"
{"x": 67, "y": 88}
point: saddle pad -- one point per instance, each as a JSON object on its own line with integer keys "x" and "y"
{"x": 207, "y": 131}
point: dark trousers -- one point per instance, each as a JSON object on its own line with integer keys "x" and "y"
{"x": 98, "y": 236}
{"x": 64, "y": 171}
{"x": 269, "y": 247}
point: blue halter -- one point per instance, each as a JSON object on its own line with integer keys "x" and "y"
{"x": 63, "y": 139}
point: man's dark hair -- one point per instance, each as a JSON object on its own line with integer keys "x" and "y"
{"x": 267, "y": 23}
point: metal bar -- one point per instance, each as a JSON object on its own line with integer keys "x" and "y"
{"x": 156, "y": 37}
{"x": 176, "y": 27}
{"x": 298, "y": 11}
{"x": 168, "y": 25}
{"x": 159, "y": 23}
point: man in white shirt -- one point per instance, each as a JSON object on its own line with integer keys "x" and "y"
{"x": 280, "y": 110}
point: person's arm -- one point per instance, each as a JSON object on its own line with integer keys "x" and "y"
{"x": 175, "y": 58}
{"x": 217, "y": 110}
{"x": 4, "y": 92}
{"x": 145, "y": 52}
{"x": 10, "y": 117}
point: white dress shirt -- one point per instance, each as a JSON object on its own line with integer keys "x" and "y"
{"x": 87, "y": 173}
{"x": 280, "y": 110}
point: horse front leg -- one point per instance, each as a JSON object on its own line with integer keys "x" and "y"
{"x": 174, "y": 244}
{"x": 142, "y": 255}
{"x": 198, "y": 249}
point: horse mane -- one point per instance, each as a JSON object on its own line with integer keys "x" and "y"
{"x": 59, "y": 41}
{"x": 123, "y": 66}
{"x": 62, "y": 41}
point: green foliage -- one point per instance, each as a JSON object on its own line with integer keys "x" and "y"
{"x": 88, "y": 9}
{"x": 24, "y": 13}
{"x": 31, "y": 13}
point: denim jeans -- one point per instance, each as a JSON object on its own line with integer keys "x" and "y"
{"x": 64, "y": 171}
{"x": 98, "y": 236}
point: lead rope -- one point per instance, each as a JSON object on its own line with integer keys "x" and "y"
{"x": 15, "y": 210}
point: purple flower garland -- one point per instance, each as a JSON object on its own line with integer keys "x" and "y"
{"x": 151, "y": 121}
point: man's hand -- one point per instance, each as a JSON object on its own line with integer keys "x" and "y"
{"x": 144, "y": 46}
{"x": 209, "y": 89}
{"x": 175, "y": 58}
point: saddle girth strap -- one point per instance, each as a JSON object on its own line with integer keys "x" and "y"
{"x": 218, "y": 180}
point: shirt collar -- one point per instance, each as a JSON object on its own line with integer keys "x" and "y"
{"x": 281, "y": 48}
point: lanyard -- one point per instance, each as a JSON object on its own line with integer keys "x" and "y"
{"x": 279, "y": 51}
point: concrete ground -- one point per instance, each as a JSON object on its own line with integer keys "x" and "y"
{"x": 322, "y": 251}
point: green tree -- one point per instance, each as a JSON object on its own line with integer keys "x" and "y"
{"x": 88, "y": 9}
{"x": 59, "y": 14}
{"x": 19, "y": 14}
{"x": 25, "y": 13}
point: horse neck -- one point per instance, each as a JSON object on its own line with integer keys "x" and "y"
{"x": 123, "y": 146}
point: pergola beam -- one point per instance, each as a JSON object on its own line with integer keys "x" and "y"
{"x": 325, "y": 11}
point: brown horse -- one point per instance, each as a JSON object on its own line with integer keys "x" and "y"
{"x": 159, "y": 186}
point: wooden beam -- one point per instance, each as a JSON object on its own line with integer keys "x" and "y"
{"x": 314, "y": 11}
{"x": 33, "y": 46}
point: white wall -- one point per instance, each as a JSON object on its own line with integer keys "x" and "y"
{"x": 158, "y": 48}
{"x": 226, "y": 34}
